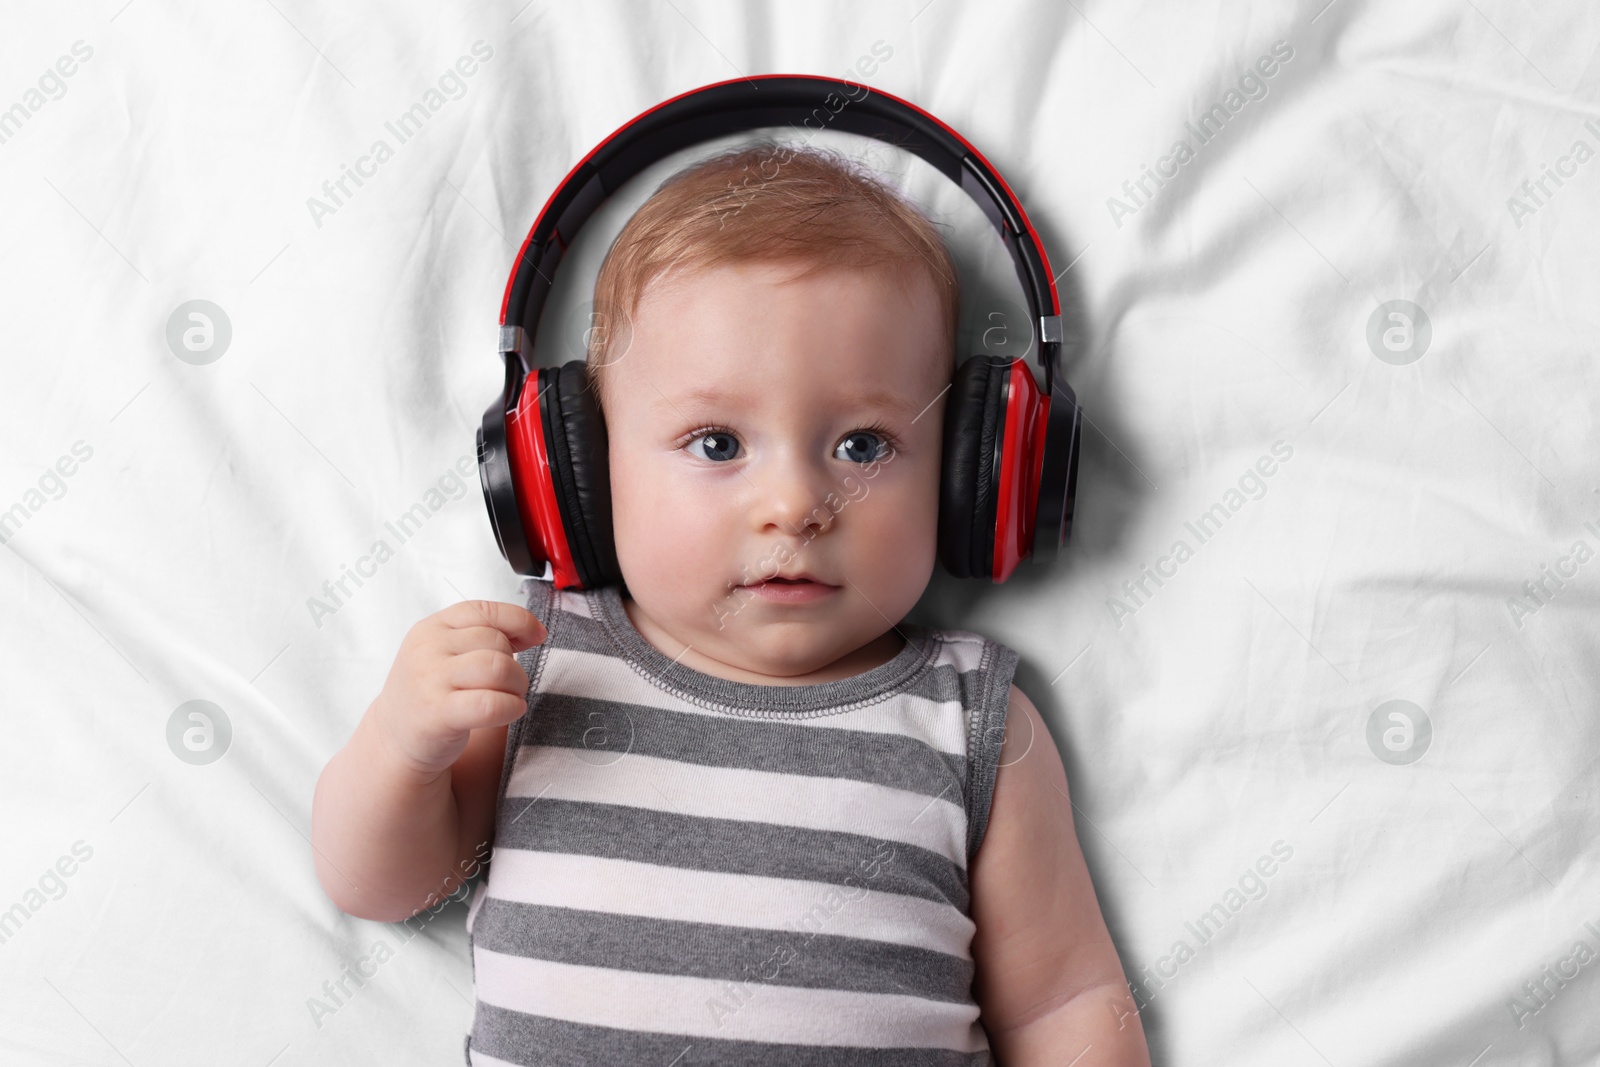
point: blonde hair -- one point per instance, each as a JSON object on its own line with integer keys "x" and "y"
{"x": 767, "y": 202}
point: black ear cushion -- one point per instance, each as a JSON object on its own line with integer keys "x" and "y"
{"x": 575, "y": 437}
{"x": 974, "y": 420}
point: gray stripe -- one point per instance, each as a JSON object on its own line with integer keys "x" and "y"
{"x": 989, "y": 696}
{"x": 730, "y": 846}
{"x": 936, "y": 682}
{"x": 533, "y": 1040}
{"x": 805, "y": 958}
{"x": 542, "y": 603}
{"x": 605, "y": 731}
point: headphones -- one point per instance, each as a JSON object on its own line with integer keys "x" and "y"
{"x": 1010, "y": 452}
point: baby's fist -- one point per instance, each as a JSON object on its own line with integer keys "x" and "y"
{"x": 456, "y": 672}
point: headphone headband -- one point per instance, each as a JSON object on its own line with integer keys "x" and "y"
{"x": 741, "y": 104}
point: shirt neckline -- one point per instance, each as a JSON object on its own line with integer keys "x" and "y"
{"x": 751, "y": 698}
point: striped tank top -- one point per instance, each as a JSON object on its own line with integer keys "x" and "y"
{"x": 693, "y": 870}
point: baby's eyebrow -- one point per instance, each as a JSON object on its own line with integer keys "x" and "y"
{"x": 873, "y": 398}
{"x": 697, "y": 394}
{"x": 898, "y": 402}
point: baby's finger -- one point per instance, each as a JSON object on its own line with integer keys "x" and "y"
{"x": 486, "y": 668}
{"x": 478, "y": 709}
{"x": 521, "y": 626}
{"x": 456, "y": 641}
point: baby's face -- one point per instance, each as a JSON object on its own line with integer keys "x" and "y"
{"x": 764, "y": 424}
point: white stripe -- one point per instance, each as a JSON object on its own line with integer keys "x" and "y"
{"x": 575, "y": 601}
{"x": 713, "y": 1008}
{"x": 569, "y": 672}
{"x": 840, "y": 805}
{"x": 962, "y": 650}
{"x": 627, "y": 887}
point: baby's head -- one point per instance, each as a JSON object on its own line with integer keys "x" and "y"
{"x": 780, "y": 332}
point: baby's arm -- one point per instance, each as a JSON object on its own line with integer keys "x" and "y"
{"x": 1049, "y": 982}
{"x": 402, "y": 815}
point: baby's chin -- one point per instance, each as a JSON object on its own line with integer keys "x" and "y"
{"x": 778, "y": 647}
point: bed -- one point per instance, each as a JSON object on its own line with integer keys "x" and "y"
{"x": 1316, "y": 658}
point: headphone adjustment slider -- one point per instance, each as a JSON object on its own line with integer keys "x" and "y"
{"x": 1050, "y": 329}
{"x": 513, "y": 339}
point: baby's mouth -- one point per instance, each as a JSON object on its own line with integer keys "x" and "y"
{"x": 794, "y": 588}
{"x": 790, "y": 579}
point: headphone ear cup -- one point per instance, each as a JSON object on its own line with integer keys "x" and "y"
{"x": 580, "y": 469}
{"x": 974, "y": 423}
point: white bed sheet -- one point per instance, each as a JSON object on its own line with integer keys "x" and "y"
{"x": 1204, "y": 721}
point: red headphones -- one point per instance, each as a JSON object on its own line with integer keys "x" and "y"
{"x": 1010, "y": 459}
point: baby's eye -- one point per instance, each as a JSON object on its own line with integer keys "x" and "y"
{"x": 716, "y": 445}
{"x": 862, "y": 446}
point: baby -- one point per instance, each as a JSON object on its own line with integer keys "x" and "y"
{"x": 739, "y": 810}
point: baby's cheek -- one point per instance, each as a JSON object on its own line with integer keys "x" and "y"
{"x": 632, "y": 503}
{"x": 655, "y": 517}
{"x": 903, "y": 533}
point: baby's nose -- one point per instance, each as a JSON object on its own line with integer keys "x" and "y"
{"x": 795, "y": 498}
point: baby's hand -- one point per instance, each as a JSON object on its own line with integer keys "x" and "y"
{"x": 456, "y": 672}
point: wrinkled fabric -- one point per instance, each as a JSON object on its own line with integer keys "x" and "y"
{"x": 1320, "y": 654}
